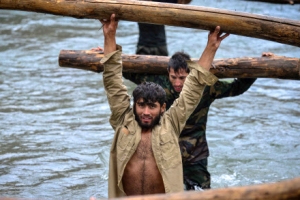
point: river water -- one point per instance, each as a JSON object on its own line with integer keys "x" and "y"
{"x": 55, "y": 135}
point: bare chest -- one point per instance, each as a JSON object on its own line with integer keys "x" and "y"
{"x": 144, "y": 149}
{"x": 141, "y": 175}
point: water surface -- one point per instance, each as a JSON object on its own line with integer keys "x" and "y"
{"x": 55, "y": 135}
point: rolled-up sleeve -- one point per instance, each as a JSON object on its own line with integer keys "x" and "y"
{"x": 190, "y": 95}
{"x": 118, "y": 98}
{"x": 203, "y": 75}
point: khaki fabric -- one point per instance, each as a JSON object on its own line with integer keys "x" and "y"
{"x": 164, "y": 136}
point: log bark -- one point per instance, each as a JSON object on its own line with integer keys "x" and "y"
{"x": 288, "y": 189}
{"x": 292, "y": 2}
{"x": 283, "y": 190}
{"x": 251, "y": 25}
{"x": 260, "y": 67}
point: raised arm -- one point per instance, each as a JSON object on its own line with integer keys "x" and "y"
{"x": 109, "y": 31}
{"x": 116, "y": 91}
{"x": 195, "y": 82}
{"x": 214, "y": 40}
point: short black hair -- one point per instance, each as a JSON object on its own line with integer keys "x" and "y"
{"x": 178, "y": 61}
{"x": 150, "y": 92}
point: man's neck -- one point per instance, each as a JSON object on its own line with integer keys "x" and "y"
{"x": 146, "y": 130}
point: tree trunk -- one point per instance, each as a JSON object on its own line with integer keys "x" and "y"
{"x": 258, "y": 26}
{"x": 261, "y": 67}
{"x": 292, "y": 2}
{"x": 288, "y": 189}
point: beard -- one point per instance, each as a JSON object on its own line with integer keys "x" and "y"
{"x": 144, "y": 125}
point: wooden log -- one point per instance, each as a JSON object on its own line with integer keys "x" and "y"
{"x": 251, "y": 25}
{"x": 284, "y": 190}
{"x": 260, "y": 67}
{"x": 292, "y": 2}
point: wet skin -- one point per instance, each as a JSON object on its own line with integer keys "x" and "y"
{"x": 141, "y": 175}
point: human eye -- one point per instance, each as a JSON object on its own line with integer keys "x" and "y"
{"x": 152, "y": 106}
{"x": 141, "y": 104}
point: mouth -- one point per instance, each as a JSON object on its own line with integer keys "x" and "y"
{"x": 178, "y": 89}
{"x": 146, "y": 120}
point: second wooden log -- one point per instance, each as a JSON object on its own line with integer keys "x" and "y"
{"x": 255, "y": 67}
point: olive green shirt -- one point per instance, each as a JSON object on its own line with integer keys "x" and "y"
{"x": 165, "y": 134}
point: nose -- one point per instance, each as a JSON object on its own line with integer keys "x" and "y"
{"x": 146, "y": 110}
{"x": 177, "y": 82}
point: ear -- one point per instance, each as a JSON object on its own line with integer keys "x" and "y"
{"x": 163, "y": 108}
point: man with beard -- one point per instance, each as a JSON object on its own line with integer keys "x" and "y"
{"x": 192, "y": 140}
{"x": 145, "y": 157}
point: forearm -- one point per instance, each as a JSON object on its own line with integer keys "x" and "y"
{"x": 214, "y": 40}
{"x": 109, "y": 45}
{"x": 207, "y": 58}
{"x": 231, "y": 88}
{"x": 191, "y": 94}
{"x": 115, "y": 90}
{"x": 243, "y": 84}
{"x": 112, "y": 74}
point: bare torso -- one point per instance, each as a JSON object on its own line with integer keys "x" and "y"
{"x": 141, "y": 175}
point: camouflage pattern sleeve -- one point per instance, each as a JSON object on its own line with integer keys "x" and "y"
{"x": 135, "y": 78}
{"x": 139, "y": 78}
{"x": 231, "y": 88}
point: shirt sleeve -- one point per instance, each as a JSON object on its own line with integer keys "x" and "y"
{"x": 231, "y": 88}
{"x": 190, "y": 95}
{"x": 135, "y": 77}
{"x": 116, "y": 91}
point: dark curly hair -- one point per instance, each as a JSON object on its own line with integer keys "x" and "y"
{"x": 150, "y": 92}
{"x": 178, "y": 61}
